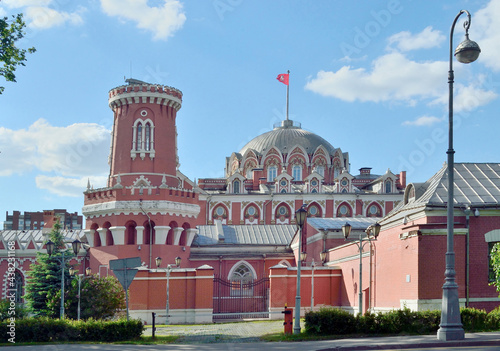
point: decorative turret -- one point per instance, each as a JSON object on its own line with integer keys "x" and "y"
{"x": 144, "y": 139}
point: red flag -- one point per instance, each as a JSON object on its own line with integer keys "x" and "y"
{"x": 283, "y": 78}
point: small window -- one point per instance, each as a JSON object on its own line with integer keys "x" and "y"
{"x": 373, "y": 210}
{"x": 138, "y": 145}
{"x": 271, "y": 173}
{"x": 251, "y": 211}
{"x": 313, "y": 211}
{"x": 219, "y": 211}
{"x": 388, "y": 187}
{"x": 236, "y": 187}
{"x": 320, "y": 170}
{"x": 147, "y": 141}
{"x": 297, "y": 173}
{"x": 19, "y": 287}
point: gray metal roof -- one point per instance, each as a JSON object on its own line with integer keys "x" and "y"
{"x": 475, "y": 184}
{"x": 39, "y": 237}
{"x": 244, "y": 234}
{"x": 286, "y": 137}
{"x": 335, "y": 224}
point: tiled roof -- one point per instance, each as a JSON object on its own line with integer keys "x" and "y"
{"x": 334, "y": 224}
{"x": 24, "y": 237}
{"x": 245, "y": 234}
{"x": 475, "y": 184}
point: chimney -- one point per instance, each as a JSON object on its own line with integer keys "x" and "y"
{"x": 402, "y": 179}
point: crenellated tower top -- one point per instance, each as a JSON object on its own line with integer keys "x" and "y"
{"x": 141, "y": 92}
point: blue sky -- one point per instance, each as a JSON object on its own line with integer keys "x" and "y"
{"x": 368, "y": 76}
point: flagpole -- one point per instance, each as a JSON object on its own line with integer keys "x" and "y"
{"x": 287, "y": 92}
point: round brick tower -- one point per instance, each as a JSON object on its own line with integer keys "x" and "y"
{"x": 148, "y": 207}
{"x": 144, "y": 139}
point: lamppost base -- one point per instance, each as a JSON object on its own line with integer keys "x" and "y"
{"x": 451, "y": 333}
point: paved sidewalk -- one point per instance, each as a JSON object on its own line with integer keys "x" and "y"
{"x": 220, "y": 332}
{"x": 239, "y": 333}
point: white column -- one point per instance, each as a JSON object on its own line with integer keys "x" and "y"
{"x": 177, "y": 235}
{"x": 191, "y": 233}
{"x": 118, "y": 235}
{"x": 161, "y": 234}
{"x": 140, "y": 232}
{"x": 89, "y": 234}
{"x": 102, "y": 235}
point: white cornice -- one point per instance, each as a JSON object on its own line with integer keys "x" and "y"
{"x": 136, "y": 207}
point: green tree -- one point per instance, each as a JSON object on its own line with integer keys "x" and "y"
{"x": 100, "y": 298}
{"x": 43, "y": 288}
{"x": 10, "y": 55}
{"x": 495, "y": 263}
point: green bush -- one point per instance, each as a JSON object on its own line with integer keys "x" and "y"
{"x": 329, "y": 321}
{"x": 44, "y": 329}
{"x": 473, "y": 319}
{"x": 7, "y": 311}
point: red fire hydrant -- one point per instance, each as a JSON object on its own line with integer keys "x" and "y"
{"x": 288, "y": 323}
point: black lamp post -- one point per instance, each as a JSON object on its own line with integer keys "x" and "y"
{"x": 451, "y": 325}
{"x": 88, "y": 272}
{"x": 76, "y": 245}
{"x": 300, "y": 218}
{"x": 373, "y": 230}
{"x": 168, "y": 270}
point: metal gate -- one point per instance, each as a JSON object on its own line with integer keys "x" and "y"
{"x": 239, "y": 300}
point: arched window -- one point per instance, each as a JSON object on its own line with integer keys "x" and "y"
{"x": 147, "y": 137}
{"x": 297, "y": 173}
{"x": 138, "y": 139}
{"x": 271, "y": 173}
{"x": 236, "y": 187}
{"x": 143, "y": 138}
{"x": 19, "y": 286}
{"x": 388, "y": 187}
{"x": 241, "y": 281}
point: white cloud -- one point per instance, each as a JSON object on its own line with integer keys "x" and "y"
{"x": 63, "y": 186}
{"x": 485, "y": 30}
{"x": 162, "y": 21}
{"x": 24, "y": 3}
{"x": 40, "y": 14}
{"x": 59, "y": 153}
{"x": 423, "y": 121}
{"x": 426, "y": 39}
{"x": 393, "y": 77}
{"x": 44, "y": 17}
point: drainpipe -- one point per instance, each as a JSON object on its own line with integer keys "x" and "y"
{"x": 371, "y": 279}
{"x": 467, "y": 212}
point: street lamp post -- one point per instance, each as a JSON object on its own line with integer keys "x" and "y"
{"x": 88, "y": 272}
{"x": 300, "y": 218}
{"x": 76, "y": 245}
{"x": 451, "y": 325}
{"x": 360, "y": 243}
{"x": 168, "y": 270}
{"x": 313, "y": 264}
